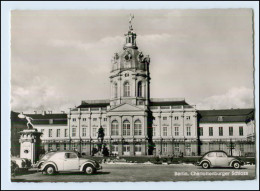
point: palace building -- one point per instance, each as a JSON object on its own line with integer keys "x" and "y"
{"x": 136, "y": 124}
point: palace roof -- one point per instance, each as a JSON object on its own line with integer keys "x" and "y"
{"x": 225, "y": 115}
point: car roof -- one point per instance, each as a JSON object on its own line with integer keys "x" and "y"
{"x": 215, "y": 151}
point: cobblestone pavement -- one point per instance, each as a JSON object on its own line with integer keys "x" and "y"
{"x": 142, "y": 172}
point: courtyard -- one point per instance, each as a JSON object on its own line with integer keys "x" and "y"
{"x": 144, "y": 172}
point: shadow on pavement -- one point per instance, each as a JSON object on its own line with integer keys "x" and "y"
{"x": 79, "y": 173}
{"x": 23, "y": 180}
{"x": 242, "y": 168}
{"x": 25, "y": 173}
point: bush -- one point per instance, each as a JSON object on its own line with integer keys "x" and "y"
{"x": 14, "y": 168}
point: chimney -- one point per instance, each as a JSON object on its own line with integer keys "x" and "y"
{"x": 43, "y": 112}
{"x": 63, "y": 112}
{"x": 35, "y": 112}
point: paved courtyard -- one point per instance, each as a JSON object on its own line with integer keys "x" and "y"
{"x": 144, "y": 172}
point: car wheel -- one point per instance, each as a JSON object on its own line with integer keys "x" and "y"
{"x": 89, "y": 169}
{"x": 205, "y": 165}
{"x": 50, "y": 170}
{"x": 236, "y": 165}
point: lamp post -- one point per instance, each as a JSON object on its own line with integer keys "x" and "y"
{"x": 90, "y": 146}
{"x": 184, "y": 151}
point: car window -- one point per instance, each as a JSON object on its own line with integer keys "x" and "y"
{"x": 220, "y": 154}
{"x": 211, "y": 154}
{"x": 71, "y": 155}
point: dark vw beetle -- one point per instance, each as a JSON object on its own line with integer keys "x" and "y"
{"x": 61, "y": 161}
{"x": 219, "y": 159}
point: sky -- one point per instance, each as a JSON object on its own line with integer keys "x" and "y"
{"x": 59, "y": 58}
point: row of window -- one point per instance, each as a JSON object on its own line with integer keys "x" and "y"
{"x": 177, "y": 118}
{"x": 126, "y": 128}
{"x": 85, "y": 119}
{"x": 177, "y": 147}
{"x": 114, "y": 130}
{"x": 220, "y": 131}
{"x": 176, "y": 131}
{"x": 126, "y": 90}
{"x": 105, "y": 119}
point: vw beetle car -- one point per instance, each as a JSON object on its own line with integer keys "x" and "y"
{"x": 61, "y": 161}
{"x": 219, "y": 159}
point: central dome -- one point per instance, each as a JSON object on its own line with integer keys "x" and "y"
{"x": 130, "y": 57}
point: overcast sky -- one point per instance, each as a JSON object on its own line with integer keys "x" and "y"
{"x": 59, "y": 58}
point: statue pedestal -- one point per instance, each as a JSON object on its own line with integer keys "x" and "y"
{"x": 30, "y": 143}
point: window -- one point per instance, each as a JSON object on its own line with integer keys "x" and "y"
{"x": 66, "y": 133}
{"x": 73, "y": 132}
{"x": 58, "y": 133}
{"x": 213, "y": 154}
{"x": 115, "y": 90}
{"x": 84, "y": 132}
{"x": 65, "y": 146}
{"x": 114, "y": 128}
{"x": 230, "y": 131}
{"x": 126, "y": 149}
{"x": 50, "y": 121}
{"x": 138, "y": 147}
{"x": 57, "y": 146}
{"x": 176, "y": 131}
{"x": 73, "y": 146}
{"x": 221, "y": 146}
{"x": 84, "y": 119}
{"x": 241, "y": 133}
{"x": 105, "y": 119}
{"x": 210, "y": 131}
{"x": 164, "y": 118}
{"x": 220, "y": 118}
{"x": 177, "y": 147}
{"x": 126, "y": 89}
{"x": 50, "y": 132}
{"x": 220, "y": 131}
{"x": 94, "y": 119}
{"x": 74, "y": 119}
{"x": 176, "y": 117}
{"x": 126, "y": 128}
{"x": 187, "y": 117}
{"x": 220, "y": 154}
{"x": 49, "y": 147}
{"x": 188, "y": 131}
{"x": 164, "y": 131}
{"x": 138, "y": 127}
{"x": 71, "y": 155}
{"x": 114, "y": 148}
{"x": 201, "y": 131}
{"x": 188, "y": 149}
{"x": 139, "y": 89}
{"x": 164, "y": 147}
{"x": 94, "y": 132}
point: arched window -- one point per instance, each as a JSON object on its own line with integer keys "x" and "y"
{"x": 126, "y": 89}
{"x": 138, "y": 127}
{"x": 126, "y": 128}
{"x": 114, "y": 128}
{"x": 139, "y": 89}
{"x": 115, "y": 90}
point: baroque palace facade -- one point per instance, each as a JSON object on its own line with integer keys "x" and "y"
{"x": 137, "y": 125}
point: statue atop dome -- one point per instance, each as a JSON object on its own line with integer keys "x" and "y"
{"x": 130, "y": 22}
